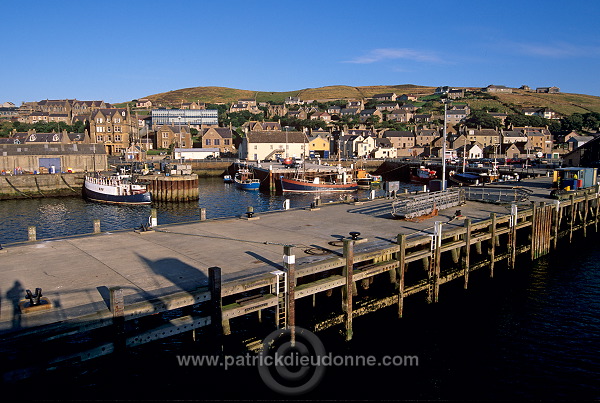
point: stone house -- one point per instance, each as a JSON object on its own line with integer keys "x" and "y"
{"x": 219, "y": 137}
{"x": 178, "y": 136}
{"x": 389, "y": 96}
{"x": 113, "y": 128}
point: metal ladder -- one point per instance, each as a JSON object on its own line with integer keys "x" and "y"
{"x": 279, "y": 289}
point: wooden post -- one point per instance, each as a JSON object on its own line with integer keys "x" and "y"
{"x": 31, "y": 233}
{"x": 289, "y": 265}
{"x": 216, "y": 307}
{"x": 597, "y": 209}
{"x": 467, "y": 255}
{"x": 202, "y": 213}
{"x": 117, "y": 307}
{"x": 492, "y": 243}
{"x": 434, "y": 267}
{"x": 401, "y": 270}
{"x": 512, "y": 238}
{"x": 557, "y": 211}
{"x": 348, "y": 288}
{"x": 534, "y": 235}
{"x": 572, "y": 222}
{"x": 585, "y": 214}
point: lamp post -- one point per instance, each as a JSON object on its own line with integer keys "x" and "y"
{"x": 445, "y": 101}
{"x": 286, "y": 141}
{"x": 180, "y": 148}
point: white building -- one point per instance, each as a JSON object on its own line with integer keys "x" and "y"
{"x": 270, "y": 145}
{"x": 196, "y": 153}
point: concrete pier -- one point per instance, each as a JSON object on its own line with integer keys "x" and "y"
{"x": 171, "y": 266}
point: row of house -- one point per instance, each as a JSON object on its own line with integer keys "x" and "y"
{"x": 516, "y": 142}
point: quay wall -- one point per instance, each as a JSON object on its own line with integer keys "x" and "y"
{"x": 41, "y": 185}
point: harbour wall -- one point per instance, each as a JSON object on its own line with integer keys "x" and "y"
{"x": 42, "y": 185}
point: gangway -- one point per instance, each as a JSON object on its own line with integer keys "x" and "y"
{"x": 425, "y": 203}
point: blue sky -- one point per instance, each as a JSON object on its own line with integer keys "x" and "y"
{"x": 119, "y": 51}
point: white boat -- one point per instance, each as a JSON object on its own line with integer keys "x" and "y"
{"x": 115, "y": 189}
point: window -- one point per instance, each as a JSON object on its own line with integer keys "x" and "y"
{"x": 207, "y": 142}
{"x": 118, "y": 137}
{"x": 226, "y": 142}
{"x": 100, "y": 129}
{"x": 165, "y": 144}
{"x": 99, "y": 138}
{"x": 117, "y": 129}
{"x": 99, "y": 120}
{"x": 217, "y": 142}
{"x": 165, "y": 135}
{"x": 109, "y": 129}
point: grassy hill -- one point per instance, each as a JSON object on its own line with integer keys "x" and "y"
{"x": 563, "y": 103}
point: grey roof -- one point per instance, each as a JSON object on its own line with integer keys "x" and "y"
{"x": 395, "y": 133}
{"x": 275, "y": 136}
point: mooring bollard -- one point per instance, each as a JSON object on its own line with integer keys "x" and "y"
{"x": 250, "y": 211}
{"x": 153, "y": 218}
{"x": 286, "y": 204}
{"x": 202, "y": 214}
{"x": 31, "y": 233}
{"x": 96, "y": 226}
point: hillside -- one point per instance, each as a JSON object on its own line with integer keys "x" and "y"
{"x": 563, "y": 103}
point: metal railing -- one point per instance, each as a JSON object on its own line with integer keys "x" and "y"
{"x": 497, "y": 194}
{"x": 425, "y": 203}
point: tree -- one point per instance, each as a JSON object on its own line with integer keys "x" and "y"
{"x": 483, "y": 119}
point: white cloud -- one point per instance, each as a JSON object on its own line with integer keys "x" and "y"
{"x": 378, "y": 55}
{"x": 558, "y": 50}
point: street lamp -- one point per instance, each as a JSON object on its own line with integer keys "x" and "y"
{"x": 445, "y": 101}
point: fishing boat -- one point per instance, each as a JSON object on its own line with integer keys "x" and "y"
{"x": 422, "y": 175}
{"x": 244, "y": 179}
{"x": 475, "y": 178}
{"x": 365, "y": 180}
{"x": 334, "y": 181}
{"x": 115, "y": 189}
{"x": 227, "y": 179}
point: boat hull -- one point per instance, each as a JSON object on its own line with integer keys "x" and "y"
{"x": 140, "y": 198}
{"x": 293, "y": 185}
{"x": 247, "y": 185}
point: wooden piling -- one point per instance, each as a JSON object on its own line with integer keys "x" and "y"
{"x": 467, "y": 254}
{"x": 117, "y": 307}
{"x": 435, "y": 264}
{"x": 348, "y": 288}
{"x": 492, "y": 243}
{"x": 401, "y": 270}
{"x": 289, "y": 265}
{"x": 585, "y": 214}
{"x": 216, "y": 308}
{"x": 572, "y": 221}
{"x": 512, "y": 236}
{"x": 556, "y": 223}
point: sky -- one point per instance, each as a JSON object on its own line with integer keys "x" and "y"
{"x": 117, "y": 51}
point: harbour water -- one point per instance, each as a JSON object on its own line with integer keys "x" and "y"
{"x": 528, "y": 334}
{"x": 66, "y": 216}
